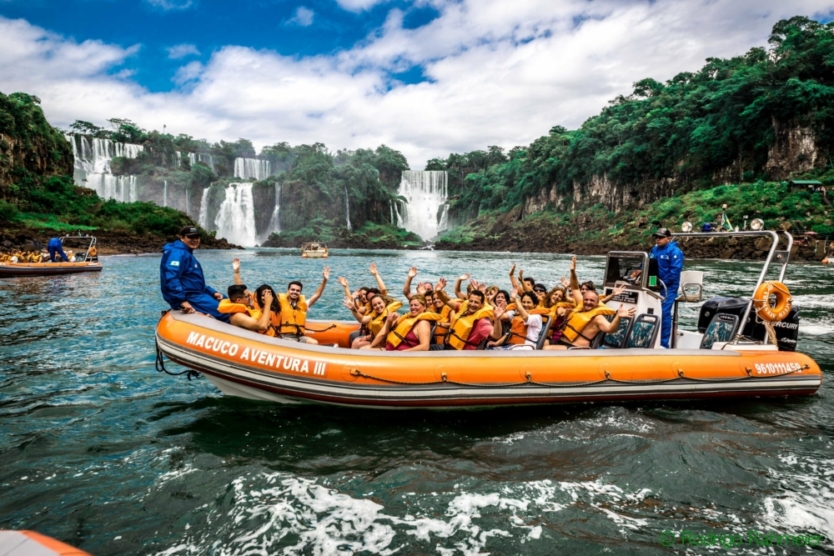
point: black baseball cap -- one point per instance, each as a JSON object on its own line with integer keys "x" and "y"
{"x": 189, "y": 231}
{"x": 663, "y": 232}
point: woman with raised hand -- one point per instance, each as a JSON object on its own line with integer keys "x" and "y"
{"x": 411, "y": 332}
{"x": 525, "y": 323}
{"x": 372, "y": 322}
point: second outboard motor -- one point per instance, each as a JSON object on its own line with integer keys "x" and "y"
{"x": 787, "y": 330}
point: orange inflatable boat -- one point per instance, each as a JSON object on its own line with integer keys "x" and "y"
{"x": 30, "y": 543}
{"x": 250, "y": 365}
{"x": 739, "y": 349}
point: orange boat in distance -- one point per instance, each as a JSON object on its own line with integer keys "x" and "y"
{"x": 722, "y": 359}
{"x": 84, "y": 261}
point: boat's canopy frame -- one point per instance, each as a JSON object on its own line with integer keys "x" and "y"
{"x": 92, "y": 242}
{"x": 620, "y": 267}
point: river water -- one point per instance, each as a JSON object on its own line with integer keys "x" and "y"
{"x": 101, "y": 451}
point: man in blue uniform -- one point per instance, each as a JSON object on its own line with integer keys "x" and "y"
{"x": 181, "y": 277}
{"x": 55, "y": 247}
{"x": 669, "y": 266}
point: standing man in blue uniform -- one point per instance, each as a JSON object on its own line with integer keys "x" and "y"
{"x": 669, "y": 266}
{"x": 56, "y": 247}
{"x": 181, "y": 277}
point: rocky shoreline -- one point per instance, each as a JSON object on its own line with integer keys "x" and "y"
{"x": 116, "y": 243}
{"x": 108, "y": 243}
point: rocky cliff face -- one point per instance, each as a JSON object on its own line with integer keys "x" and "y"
{"x": 30, "y": 148}
{"x": 794, "y": 151}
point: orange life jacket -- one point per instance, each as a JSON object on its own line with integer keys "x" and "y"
{"x": 462, "y": 327}
{"x": 378, "y": 321}
{"x": 405, "y": 324}
{"x": 293, "y": 319}
{"x": 518, "y": 328}
{"x": 578, "y": 320}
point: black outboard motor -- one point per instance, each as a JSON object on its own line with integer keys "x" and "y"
{"x": 787, "y": 330}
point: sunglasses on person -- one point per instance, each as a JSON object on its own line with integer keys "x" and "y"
{"x": 193, "y": 236}
{"x": 537, "y": 289}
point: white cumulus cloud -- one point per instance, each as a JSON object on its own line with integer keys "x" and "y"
{"x": 498, "y": 73}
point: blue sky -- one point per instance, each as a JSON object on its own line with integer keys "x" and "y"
{"x": 318, "y": 27}
{"x": 427, "y": 77}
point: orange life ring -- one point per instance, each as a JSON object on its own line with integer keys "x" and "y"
{"x": 761, "y": 301}
{"x": 93, "y": 252}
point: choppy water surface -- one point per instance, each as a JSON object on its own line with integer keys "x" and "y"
{"x": 99, "y": 450}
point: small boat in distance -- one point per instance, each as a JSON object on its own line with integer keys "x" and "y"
{"x": 85, "y": 260}
{"x": 314, "y": 250}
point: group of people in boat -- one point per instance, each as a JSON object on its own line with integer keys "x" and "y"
{"x": 53, "y": 252}
{"x": 475, "y": 316}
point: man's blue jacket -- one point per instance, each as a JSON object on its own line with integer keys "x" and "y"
{"x": 669, "y": 265}
{"x": 181, "y": 277}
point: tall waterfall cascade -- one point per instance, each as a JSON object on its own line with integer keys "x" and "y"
{"x": 426, "y": 193}
{"x": 235, "y": 219}
{"x": 92, "y": 167}
{"x": 165, "y": 193}
{"x": 204, "y": 203}
{"x": 347, "y": 210}
{"x": 252, "y": 168}
{"x": 274, "y": 226}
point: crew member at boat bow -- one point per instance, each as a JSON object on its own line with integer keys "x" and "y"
{"x": 181, "y": 277}
{"x": 56, "y": 247}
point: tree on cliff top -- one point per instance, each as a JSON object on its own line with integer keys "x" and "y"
{"x": 667, "y": 138}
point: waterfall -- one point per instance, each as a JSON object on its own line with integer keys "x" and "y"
{"x": 187, "y": 204}
{"x": 252, "y": 168}
{"x": 91, "y": 168}
{"x": 425, "y": 192}
{"x": 204, "y": 158}
{"x": 444, "y": 218}
{"x": 203, "y": 218}
{"x": 236, "y": 217}
{"x": 165, "y": 193}
{"x": 347, "y": 210}
{"x": 274, "y": 220}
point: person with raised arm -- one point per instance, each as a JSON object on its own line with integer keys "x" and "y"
{"x": 525, "y": 323}
{"x": 410, "y": 332}
{"x": 589, "y": 318}
{"x": 294, "y": 307}
{"x": 257, "y": 301}
{"x": 241, "y": 313}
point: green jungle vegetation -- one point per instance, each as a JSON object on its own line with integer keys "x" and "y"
{"x": 665, "y": 139}
{"x": 36, "y": 187}
{"x": 666, "y": 148}
{"x": 596, "y": 229}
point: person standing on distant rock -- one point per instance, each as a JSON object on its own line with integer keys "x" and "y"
{"x": 181, "y": 277}
{"x": 56, "y": 247}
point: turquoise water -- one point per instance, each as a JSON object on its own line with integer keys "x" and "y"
{"x": 101, "y": 451}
